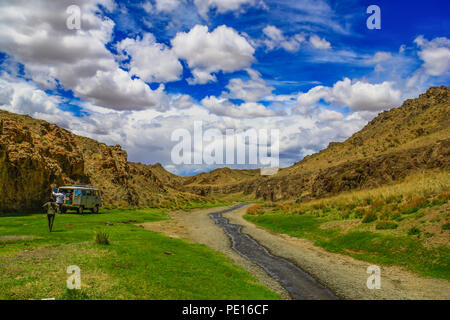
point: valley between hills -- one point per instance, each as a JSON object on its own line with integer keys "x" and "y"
{"x": 380, "y": 197}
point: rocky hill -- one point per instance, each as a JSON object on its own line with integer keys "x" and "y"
{"x": 36, "y": 156}
{"x": 401, "y": 141}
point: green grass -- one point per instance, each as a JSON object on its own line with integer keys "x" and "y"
{"x": 386, "y": 225}
{"x": 186, "y": 205}
{"x": 137, "y": 264}
{"x": 374, "y": 247}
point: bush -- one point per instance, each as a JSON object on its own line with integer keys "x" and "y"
{"x": 123, "y": 204}
{"x": 255, "y": 210}
{"x": 414, "y": 231}
{"x": 101, "y": 237}
{"x": 369, "y": 217}
{"x": 386, "y": 225}
{"x": 446, "y": 226}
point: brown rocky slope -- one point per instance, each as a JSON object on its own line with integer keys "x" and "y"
{"x": 36, "y": 156}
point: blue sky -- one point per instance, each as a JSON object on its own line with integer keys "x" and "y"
{"x": 138, "y": 70}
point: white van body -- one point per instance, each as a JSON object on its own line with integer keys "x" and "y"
{"x": 81, "y": 197}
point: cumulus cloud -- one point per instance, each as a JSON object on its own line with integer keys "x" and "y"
{"x": 223, "y": 107}
{"x": 120, "y": 108}
{"x": 115, "y": 90}
{"x": 151, "y": 61}
{"x": 435, "y": 54}
{"x": 145, "y": 134}
{"x": 24, "y": 98}
{"x": 319, "y": 43}
{"x": 209, "y": 52}
{"x": 35, "y": 34}
{"x": 251, "y": 90}
{"x": 330, "y": 115}
{"x": 357, "y": 95}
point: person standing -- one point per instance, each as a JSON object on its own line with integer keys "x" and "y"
{"x": 50, "y": 214}
{"x": 60, "y": 197}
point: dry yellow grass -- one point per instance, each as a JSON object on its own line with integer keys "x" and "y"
{"x": 414, "y": 187}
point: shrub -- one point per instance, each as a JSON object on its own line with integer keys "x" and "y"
{"x": 123, "y": 204}
{"x": 358, "y": 213}
{"x": 413, "y": 205}
{"x": 385, "y": 225}
{"x": 255, "y": 209}
{"x": 101, "y": 237}
{"x": 444, "y": 196}
{"x": 446, "y": 226}
{"x": 369, "y": 217}
{"x": 414, "y": 231}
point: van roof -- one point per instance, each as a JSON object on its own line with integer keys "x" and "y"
{"x": 78, "y": 187}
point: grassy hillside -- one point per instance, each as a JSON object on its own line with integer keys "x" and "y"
{"x": 418, "y": 122}
{"x": 137, "y": 264}
{"x": 405, "y": 223}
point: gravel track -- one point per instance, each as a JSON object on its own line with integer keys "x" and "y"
{"x": 343, "y": 275}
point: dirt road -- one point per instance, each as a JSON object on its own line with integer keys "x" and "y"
{"x": 343, "y": 275}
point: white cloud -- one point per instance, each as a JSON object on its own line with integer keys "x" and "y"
{"x": 145, "y": 134}
{"x": 435, "y": 54}
{"x": 115, "y": 90}
{"x": 366, "y": 96}
{"x": 223, "y": 107}
{"x": 166, "y": 5}
{"x": 35, "y": 34}
{"x": 223, "y": 6}
{"x": 330, "y": 115}
{"x": 24, "y": 98}
{"x": 319, "y": 43}
{"x": 209, "y": 52}
{"x": 357, "y": 95}
{"x": 275, "y": 40}
{"x": 380, "y": 56}
{"x": 151, "y": 61}
{"x": 183, "y": 101}
{"x": 252, "y": 90}
{"x": 313, "y": 96}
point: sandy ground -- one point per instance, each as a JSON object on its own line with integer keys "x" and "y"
{"x": 344, "y": 275}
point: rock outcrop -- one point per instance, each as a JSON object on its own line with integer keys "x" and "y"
{"x": 36, "y": 156}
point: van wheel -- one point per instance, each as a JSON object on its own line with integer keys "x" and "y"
{"x": 80, "y": 210}
{"x": 95, "y": 209}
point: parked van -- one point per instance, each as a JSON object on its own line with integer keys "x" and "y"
{"x": 80, "y": 198}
